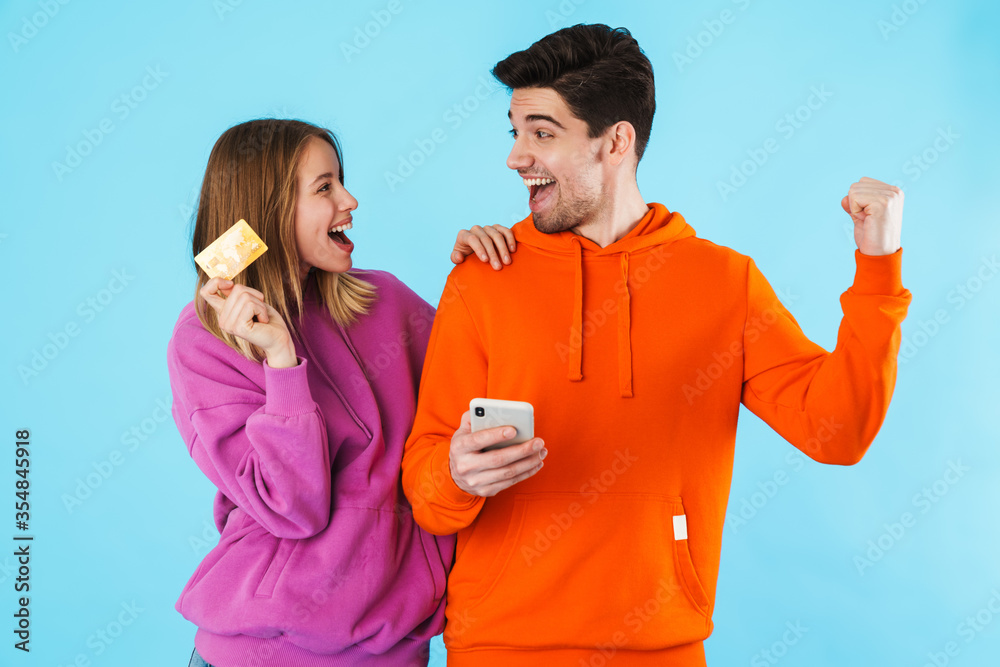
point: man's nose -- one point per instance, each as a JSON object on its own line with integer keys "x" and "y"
{"x": 518, "y": 158}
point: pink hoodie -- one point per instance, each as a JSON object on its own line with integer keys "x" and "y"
{"x": 319, "y": 560}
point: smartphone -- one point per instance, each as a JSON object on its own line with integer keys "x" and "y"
{"x": 492, "y": 412}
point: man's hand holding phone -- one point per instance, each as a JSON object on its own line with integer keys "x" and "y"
{"x": 487, "y": 473}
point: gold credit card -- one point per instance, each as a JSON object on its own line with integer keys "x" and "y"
{"x": 232, "y": 252}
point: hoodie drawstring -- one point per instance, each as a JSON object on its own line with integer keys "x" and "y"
{"x": 575, "y": 370}
{"x": 625, "y": 335}
{"x": 576, "y": 327}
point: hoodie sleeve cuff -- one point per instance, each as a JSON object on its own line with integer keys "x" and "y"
{"x": 286, "y": 390}
{"x": 881, "y": 274}
{"x": 450, "y": 492}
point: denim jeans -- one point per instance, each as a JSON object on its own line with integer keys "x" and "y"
{"x": 197, "y": 660}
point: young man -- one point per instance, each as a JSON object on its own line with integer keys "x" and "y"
{"x": 635, "y": 341}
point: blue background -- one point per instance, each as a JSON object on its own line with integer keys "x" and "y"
{"x": 126, "y": 206}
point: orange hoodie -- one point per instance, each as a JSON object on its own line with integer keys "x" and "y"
{"x": 636, "y": 357}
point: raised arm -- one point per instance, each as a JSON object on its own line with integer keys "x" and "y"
{"x": 265, "y": 448}
{"x": 831, "y": 405}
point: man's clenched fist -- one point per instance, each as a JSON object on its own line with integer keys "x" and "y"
{"x": 877, "y": 211}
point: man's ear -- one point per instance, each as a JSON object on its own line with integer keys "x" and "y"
{"x": 622, "y": 141}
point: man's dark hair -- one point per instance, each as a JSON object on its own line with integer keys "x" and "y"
{"x": 599, "y": 71}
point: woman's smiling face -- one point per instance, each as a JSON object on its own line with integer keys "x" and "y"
{"x": 322, "y": 210}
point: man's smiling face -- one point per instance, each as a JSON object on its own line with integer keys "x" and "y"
{"x": 559, "y": 161}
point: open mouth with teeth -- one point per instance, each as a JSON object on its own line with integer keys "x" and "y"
{"x": 539, "y": 190}
{"x": 338, "y": 236}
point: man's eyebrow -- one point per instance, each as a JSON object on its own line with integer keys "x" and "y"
{"x": 537, "y": 117}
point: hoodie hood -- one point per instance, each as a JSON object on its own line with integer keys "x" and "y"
{"x": 658, "y": 227}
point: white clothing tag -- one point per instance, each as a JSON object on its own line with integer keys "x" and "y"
{"x": 680, "y": 527}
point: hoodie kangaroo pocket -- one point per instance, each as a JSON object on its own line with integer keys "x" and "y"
{"x": 585, "y": 570}
{"x": 282, "y": 552}
{"x": 436, "y": 567}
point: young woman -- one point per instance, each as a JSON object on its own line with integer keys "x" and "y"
{"x": 294, "y": 389}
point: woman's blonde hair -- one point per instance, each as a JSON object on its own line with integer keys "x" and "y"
{"x": 251, "y": 174}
